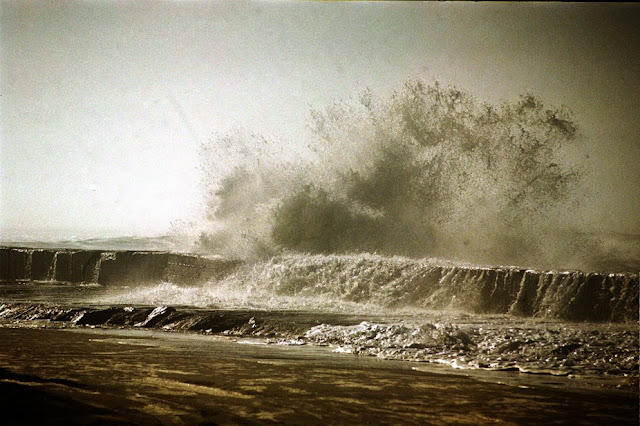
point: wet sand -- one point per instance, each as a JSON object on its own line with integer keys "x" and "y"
{"x": 99, "y": 376}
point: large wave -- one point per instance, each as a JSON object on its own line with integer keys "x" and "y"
{"x": 428, "y": 171}
{"x": 396, "y": 285}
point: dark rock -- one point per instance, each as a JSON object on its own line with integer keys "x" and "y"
{"x": 41, "y": 264}
{"x": 63, "y": 267}
{"x": 98, "y": 317}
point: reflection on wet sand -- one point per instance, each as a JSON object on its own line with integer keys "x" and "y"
{"x": 147, "y": 377}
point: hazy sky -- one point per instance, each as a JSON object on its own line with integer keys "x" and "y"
{"x": 104, "y": 104}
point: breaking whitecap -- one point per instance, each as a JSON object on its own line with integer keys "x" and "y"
{"x": 554, "y": 322}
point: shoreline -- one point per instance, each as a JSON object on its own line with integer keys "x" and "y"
{"x": 576, "y": 353}
{"x": 151, "y": 377}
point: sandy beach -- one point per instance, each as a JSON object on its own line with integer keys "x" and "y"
{"x": 101, "y": 376}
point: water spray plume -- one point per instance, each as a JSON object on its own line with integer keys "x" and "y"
{"x": 428, "y": 171}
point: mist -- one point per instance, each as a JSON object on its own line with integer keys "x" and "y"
{"x": 429, "y": 171}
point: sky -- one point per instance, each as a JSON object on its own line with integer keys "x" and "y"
{"x": 103, "y": 105}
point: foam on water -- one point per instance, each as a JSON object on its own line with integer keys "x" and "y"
{"x": 498, "y": 344}
{"x": 375, "y": 284}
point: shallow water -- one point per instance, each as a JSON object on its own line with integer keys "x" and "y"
{"x": 590, "y": 352}
{"x": 124, "y": 376}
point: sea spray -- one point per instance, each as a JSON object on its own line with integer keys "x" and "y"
{"x": 367, "y": 283}
{"x": 429, "y": 171}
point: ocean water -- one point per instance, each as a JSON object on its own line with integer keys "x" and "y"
{"x": 430, "y": 312}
